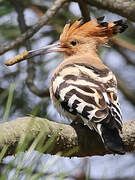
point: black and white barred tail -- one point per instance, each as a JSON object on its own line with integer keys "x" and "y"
{"x": 111, "y": 138}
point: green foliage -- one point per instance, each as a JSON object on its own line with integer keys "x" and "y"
{"x": 9, "y": 102}
{"x": 24, "y": 164}
{"x": 5, "y": 8}
{"x": 9, "y": 32}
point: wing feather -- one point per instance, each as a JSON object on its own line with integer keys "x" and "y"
{"x": 88, "y": 95}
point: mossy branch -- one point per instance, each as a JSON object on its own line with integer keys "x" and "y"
{"x": 51, "y": 138}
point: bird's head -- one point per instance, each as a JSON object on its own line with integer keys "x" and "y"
{"x": 80, "y": 37}
{"x": 75, "y": 39}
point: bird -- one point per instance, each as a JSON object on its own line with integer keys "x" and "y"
{"x": 82, "y": 86}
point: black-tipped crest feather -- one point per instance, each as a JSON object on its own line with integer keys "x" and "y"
{"x": 100, "y": 18}
{"x": 104, "y": 24}
{"x": 123, "y": 26}
{"x": 103, "y": 31}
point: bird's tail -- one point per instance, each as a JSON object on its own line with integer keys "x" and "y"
{"x": 111, "y": 139}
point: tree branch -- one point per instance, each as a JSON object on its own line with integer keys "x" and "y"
{"x": 125, "y": 8}
{"x": 123, "y": 44}
{"x": 124, "y": 55}
{"x": 29, "y": 33}
{"x": 84, "y": 10}
{"x": 76, "y": 140}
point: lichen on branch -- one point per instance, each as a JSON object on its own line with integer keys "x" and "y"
{"x": 52, "y": 137}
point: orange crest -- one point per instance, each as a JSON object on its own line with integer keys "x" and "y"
{"x": 94, "y": 28}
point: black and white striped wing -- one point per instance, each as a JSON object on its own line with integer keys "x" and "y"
{"x": 82, "y": 92}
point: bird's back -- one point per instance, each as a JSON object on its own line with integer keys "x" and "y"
{"x": 82, "y": 89}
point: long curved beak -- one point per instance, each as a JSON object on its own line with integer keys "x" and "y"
{"x": 32, "y": 53}
{"x": 44, "y": 50}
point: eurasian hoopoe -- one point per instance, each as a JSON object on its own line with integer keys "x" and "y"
{"x": 82, "y": 87}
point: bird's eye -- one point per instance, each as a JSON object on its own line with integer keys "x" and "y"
{"x": 74, "y": 43}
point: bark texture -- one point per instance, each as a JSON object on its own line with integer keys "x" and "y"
{"x": 125, "y": 8}
{"x": 52, "y": 137}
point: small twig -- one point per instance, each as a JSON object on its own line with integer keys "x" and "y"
{"x": 36, "y": 10}
{"x": 29, "y": 33}
{"x": 124, "y": 55}
{"x": 84, "y": 10}
{"x": 123, "y": 44}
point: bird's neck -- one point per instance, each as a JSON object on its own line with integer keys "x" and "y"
{"x": 90, "y": 58}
